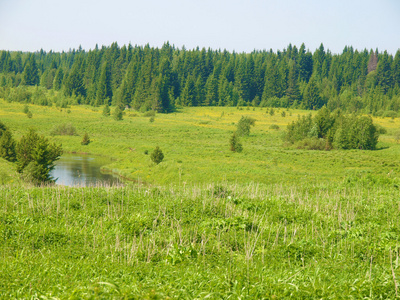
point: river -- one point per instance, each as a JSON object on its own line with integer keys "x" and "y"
{"x": 82, "y": 170}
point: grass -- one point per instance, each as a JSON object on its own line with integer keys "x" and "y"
{"x": 272, "y": 222}
{"x": 216, "y": 241}
{"x": 195, "y": 142}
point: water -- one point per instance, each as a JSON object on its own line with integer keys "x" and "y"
{"x": 82, "y": 170}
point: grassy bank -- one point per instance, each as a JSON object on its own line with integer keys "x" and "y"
{"x": 195, "y": 142}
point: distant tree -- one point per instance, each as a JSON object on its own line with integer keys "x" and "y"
{"x": 58, "y": 78}
{"x": 30, "y": 76}
{"x": 235, "y": 144}
{"x": 106, "y": 110}
{"x": 7, "y": 144}
{"x": 36, "y": 157}
{"x": 311, "y": 96}
{"x": 118, "y": 113}
{"x": 157, "y": 155}
{"x": 104, "y": 88}
{"x": 85, "y": 139}
{"x": 244, "y": 124}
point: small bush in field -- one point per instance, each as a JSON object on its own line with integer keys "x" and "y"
{"x": 157, "y": 156}
{"x": 85, "y": 139}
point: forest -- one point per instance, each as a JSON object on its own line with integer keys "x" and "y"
{"x": 162, "y": 79}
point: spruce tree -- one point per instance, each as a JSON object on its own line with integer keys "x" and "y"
{"x": 157, "y": 155}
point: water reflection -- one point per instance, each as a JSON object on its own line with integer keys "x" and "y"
{"x": 82, "y": 170}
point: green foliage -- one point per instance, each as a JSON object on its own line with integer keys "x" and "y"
{"x": 340, "y": 131}
{"x": 356, "y": 133}
{"x": 64, "y": 129}
{"x": 161, "y": 79}
{"x": 106, "y": 110}
{"x": 118, "y": 113}
{"x": 7, "y": 144}
{"x": 85, "y": 139}
{"x": 235, "y": 144}
{"x": 36, "y": 157}
{"x": 26, "y": 109}
{"x": 244, "y": 124}
{"x": 29, "y": 114}
{"x": 157, "y": 155}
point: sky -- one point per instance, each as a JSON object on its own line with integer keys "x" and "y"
{"x": 234, "y": 25}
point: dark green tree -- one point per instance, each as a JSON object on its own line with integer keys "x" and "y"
{"x": 58, "y": 78}
{"x": 312, "y": 98}
{"x": 85, "y": 139}
{"x": 36, "y": 157}
{"x": 235, "y": 144}
{"x": 157, "y": 155}
{"x": 7, "y": 144}
{"x": 30, "y": 76}
{"x": 104, "y": 88}
{"x": 118, "y": 113}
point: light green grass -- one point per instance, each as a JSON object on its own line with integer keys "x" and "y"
{"x": 195, "y": 142}
{"x": 272, "y": 222}
{"x": 227, "y": 241}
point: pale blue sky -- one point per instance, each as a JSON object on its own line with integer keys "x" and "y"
{"x": 239, "y": 25}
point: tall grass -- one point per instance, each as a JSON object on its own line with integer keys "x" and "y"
{"x": 218, "y": 241}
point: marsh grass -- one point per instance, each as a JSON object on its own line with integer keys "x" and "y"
{"x": 241, "y": 241}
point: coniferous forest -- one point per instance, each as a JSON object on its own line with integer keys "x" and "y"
{"x": 161, "y": 79}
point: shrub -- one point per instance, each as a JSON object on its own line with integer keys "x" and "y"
{"x": 150, "y": 113}
{"x": 157, "y": 156}
{"x": 85, "y": 139}
{"x": 106, "y": 110}
{"x": 343, "y": 132}
{"x": 36, "y": 157}
{"x": 7, "y": 144}
{"x": 244, "y": 124}
{"x": 235, "y": 144}
{"x": 117, "y": 113}
{"x": 274, "y": 126}
{"x": 64, "y": 129}
{"x": 151, "y": 120}
{"x": 29, "y": 114}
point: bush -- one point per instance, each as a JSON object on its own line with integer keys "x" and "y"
{"x": 343, "y": 132}
{"x": 157, "y": 156}
{"x": 64, "y": 129}
{"x": 106, "y": 110}
{"x": 36, "y": 157}
{"x": 7, "y": 144}
{"x": 85, "y": 139}
{"x": 235, "y": 144}
{"x": 274, "y": 126}
{"x": 243, "y": 126}
{"x": 312, "y": 144}
{"x": 118, "y": 113}
{"x": 150, "y": 113}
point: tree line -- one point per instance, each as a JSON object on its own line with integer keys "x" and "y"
{"x": 160, "y": 79}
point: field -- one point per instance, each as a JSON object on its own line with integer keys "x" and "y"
{"x": 272, "y": 222}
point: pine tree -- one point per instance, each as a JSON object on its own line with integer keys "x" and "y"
{"x": 30, "y": 76}
{"x": 312, "y": 98}
{"x": 157, "y": 155}
{"x": 104, "y": 89}
{"x": 85, "y": 139}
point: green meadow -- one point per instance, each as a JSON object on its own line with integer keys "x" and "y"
{"x": 271, "y": 222}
